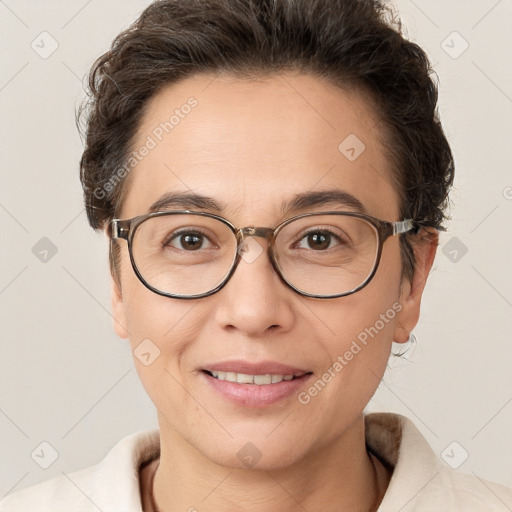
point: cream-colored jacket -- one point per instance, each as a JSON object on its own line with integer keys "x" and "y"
{"x": 421, "y": 481}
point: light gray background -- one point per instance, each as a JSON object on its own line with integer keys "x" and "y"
{"x": 65, "y": 377}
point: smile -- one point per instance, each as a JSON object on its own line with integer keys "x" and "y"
{"x": 259, "y": 380}
{"x": 255, "y": 389}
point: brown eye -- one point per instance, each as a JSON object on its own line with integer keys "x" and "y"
{"x": 188, "y": 241}
{"x": 318, "y": 240}
{"x": 191, "y": 242}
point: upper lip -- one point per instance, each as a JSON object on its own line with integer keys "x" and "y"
{"x": 251, "y": 368}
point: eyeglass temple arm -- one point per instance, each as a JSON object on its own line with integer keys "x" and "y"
{"x": 403, "y": 226}
{"x": 119, "y": 229}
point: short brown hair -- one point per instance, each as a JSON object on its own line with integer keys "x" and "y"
{"x": 353, "y": 43}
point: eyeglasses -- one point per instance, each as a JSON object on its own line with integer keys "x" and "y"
{"x": 189, "y": 255}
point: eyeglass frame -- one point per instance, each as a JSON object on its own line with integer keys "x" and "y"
{"x": 126, "y": 229}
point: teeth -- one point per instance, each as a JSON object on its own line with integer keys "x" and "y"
{"x": 243, "y": 378}
{"x": 263, "y": 379}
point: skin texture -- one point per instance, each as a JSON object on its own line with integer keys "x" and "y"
{"x": 252, "y": 144}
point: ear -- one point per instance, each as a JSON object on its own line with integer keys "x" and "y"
{"x": 411, "y": 291}
{"x": 116, "y": 297}
{"x": 118, "y": 308}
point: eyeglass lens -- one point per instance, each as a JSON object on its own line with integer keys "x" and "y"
{"x": 186, "y": 254}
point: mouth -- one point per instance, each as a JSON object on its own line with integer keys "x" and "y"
{"x": 257, "y": 379}
{"x": 254, "y": 385}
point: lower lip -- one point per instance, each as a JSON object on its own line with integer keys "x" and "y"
{"x": 254, "y": 395}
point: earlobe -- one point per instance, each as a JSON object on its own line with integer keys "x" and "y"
{"x": 118, "y": 308}
{"x": 412, "y": 290}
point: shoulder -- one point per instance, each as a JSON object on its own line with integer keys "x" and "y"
{"x": 421, "y": 481}
{"x": 112, "y": 485}
{"x": 55, "y": 495}
{"x": 470, "y": 492}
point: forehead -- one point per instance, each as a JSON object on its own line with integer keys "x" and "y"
{"x": 253, "y": 144}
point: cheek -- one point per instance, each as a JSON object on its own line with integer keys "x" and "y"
{"x": 374, "y": 308}
{"x": 167, "y": 322}
{"x": 358, "y": 350}
{"x": 160, "y": 330}
{"x": 361, "y": 328}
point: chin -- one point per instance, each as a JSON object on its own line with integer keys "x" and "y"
{"x": 257, "y": 454}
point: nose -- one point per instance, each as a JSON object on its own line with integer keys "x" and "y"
{"x": 255, "y": 301}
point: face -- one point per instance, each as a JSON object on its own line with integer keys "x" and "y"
{"x": 253, "y": 146}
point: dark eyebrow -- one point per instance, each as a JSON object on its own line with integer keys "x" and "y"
{"x": 334, "y": 197}
{"x": 299, "y": 203}
{"x": 185, "y": 200}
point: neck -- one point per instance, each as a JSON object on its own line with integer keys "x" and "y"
{"x": 340, "y": 476}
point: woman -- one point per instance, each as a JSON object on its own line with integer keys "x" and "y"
{"x": 272, "y": 176}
